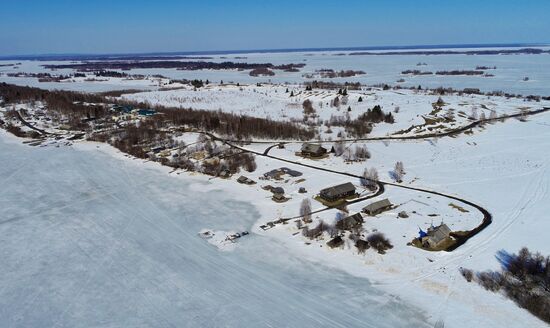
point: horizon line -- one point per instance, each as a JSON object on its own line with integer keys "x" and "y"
{"x": 276, "y": 50}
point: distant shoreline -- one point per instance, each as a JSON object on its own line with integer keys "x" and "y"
{"x": 185, "y": 54}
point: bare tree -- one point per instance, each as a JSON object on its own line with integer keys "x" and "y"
{"x": 473, "y": 115}
{"x": 398, "y": 171}
{"x": 348, "y": 155}
{"x": 307, "y": 105}
{"x": 482, "y": 117}
{"x": 305, "y": 210}
{"x": 339, "y": 148}
{"x": 493, "y": 115}
{"x": 344, "y": 100}
{"x": 250, "y": 163}
{"x": 369, "y": 179}
{"x": 335, "y": 102}
{"x": 361, "y": 152}
{"x": 449, "y": 115}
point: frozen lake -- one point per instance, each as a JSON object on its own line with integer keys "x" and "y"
{"x": 87, "y": 239}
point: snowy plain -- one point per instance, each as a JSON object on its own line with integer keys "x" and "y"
{"x": 90, "y": 237}
{"x": 508, "y": 75}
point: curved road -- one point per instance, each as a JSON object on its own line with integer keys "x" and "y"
{"x": 487, "y": 216}
{"x": 449, "y": 133}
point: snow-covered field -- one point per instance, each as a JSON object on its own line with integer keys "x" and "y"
{"x": 90, "y": 237}
{"x": 503, "y": 168}
{"x": 508, "y": 76}
{"x": 273, "y": 101}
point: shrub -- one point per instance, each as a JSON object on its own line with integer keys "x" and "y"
{"x": 307, "y": 105}
{"x": 467, "y": 274}
{"x": 524, "y": 278}
{"x": 379, "y": 242}
{"x": 490, "y": 280}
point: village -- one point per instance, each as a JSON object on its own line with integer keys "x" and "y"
{"x": 313, "y": 195}
{"x": 247, "y": 164}
{"x": 353, "y": 189}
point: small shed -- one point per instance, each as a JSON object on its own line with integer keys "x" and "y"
{"x": 350, "y": 222}
{"x": 313, "y": 150}
{"x": 403, "y": 215}
{"x": 244, "y": 180}
{"x": 278, "y": 191}
{"x": 335, "y": 242}
{"x": 278, "y": 194}
{"x": 377, "y": 207}
{"x": 337, "y": 192}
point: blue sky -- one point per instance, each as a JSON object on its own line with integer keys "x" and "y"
{"x": 124, "y": 26}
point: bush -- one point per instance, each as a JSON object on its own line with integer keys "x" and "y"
{"x": 16, "y": 131}
{"x": 307, "y": 105}
{"x": 317, "y": 231}
{"x": 467, "y": 274}
{"x": 379, "y": 242}
{"x": 362, "y": 245}
{"x": 524, "y": 278}
{"x": 490, "y": 280}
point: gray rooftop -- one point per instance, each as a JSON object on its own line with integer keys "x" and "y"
{"x": 439, "y": 233}
{"x": 312, "y": 148}
{"x": 350, "y": 222}
{"x": 278, "y": 190}
{"x": 339, "y": 189}
{"x": 376, "y": 206}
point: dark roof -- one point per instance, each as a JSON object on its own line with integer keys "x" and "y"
{"x": 376, "y": 206}
{"x": 146, "y": 112}
{"x": 362, "y": 244}
{"x": 283, "y": 170}
{"x": 243, "y": 179}
{"x": 291, "y": 172}
{"x": 312, "y": 148}
{"x": 350, "y": 222}
{"x": 277, "y": 190}
{"x": 335, "y": 242}
{"x": 339, "y": 189}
